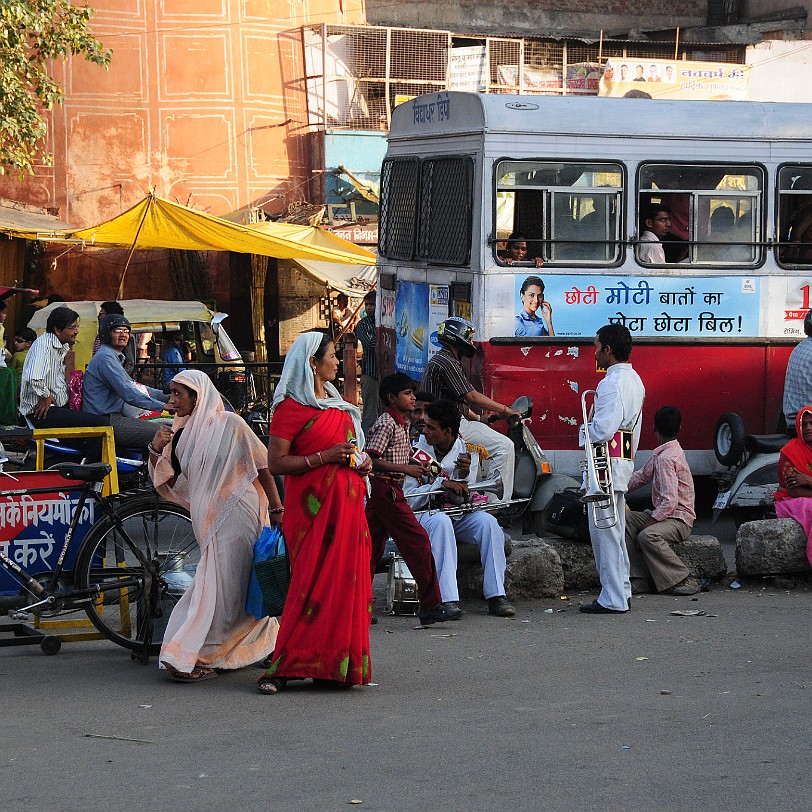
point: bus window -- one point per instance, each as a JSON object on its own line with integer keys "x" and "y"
{"x": 569, "y": 212}
{"x": 795, "y": 215}
{"x": 426, "y": 207}
{"x": 715, "y": 213}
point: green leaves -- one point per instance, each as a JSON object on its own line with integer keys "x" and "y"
{"x": 32, "y": 34}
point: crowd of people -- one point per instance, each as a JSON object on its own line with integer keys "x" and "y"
{"x": 349, "y": 486}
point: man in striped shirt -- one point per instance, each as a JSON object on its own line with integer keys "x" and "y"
{"x": 44, "y": 385}
{"x": 650, "y": 533}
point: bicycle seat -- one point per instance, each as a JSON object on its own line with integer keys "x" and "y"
{"x": 92, "y": 472}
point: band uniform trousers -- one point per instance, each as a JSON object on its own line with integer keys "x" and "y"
{"x": 388, "y": 514}
{"x": 500, "y": 448}
{"x": 477, "y": 527}
{"x": 650, "y": 552}
{"x": 611, "y": 556}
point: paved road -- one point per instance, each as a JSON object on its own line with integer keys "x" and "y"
{"x": 550, "y": 711}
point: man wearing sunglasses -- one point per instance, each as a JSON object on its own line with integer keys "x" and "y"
{"x": 108, "y": 388}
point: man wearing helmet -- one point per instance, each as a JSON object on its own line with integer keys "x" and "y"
{"x": 445, "y": 378}
{"x": 107, "y": 387}
{"x": 798, "y": 381}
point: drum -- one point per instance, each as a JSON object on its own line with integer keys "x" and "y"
{"x": 401, "y": 589}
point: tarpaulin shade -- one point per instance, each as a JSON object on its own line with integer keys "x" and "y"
{"x": 158, "y": 223}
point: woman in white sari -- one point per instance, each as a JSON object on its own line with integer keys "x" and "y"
{"x": 211, "y": 463}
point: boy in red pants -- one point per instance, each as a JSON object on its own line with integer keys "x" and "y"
{"x": 388, "y": 512}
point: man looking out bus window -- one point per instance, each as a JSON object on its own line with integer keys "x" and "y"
{"x": 656, "y": 224}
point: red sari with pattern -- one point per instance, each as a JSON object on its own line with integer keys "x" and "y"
{"x": 324, "y": 628}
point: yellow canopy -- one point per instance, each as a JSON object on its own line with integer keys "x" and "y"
{"x": 158, "y": 223}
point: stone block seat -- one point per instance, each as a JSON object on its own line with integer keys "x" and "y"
{"x": 771, "y": 547}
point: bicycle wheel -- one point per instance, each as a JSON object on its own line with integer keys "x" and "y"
{"x": 111, "y": 561}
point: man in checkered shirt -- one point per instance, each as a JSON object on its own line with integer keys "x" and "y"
{"x": 650, "y": 533}
{"x": 798, "y": 381}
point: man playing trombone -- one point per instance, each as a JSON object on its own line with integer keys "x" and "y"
{"x": 442, "y": 442}
{"x": 613, "y": 434}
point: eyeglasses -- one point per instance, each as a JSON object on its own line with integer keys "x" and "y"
{"x": 20, "y": 340}
{"x": 121, "y": 330}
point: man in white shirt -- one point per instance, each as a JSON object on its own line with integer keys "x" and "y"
{"x": 441, "y": 440}
{"x": 615, "y": 421}
{"x": 44, "y": 385}
{"x": 657, "y": 223}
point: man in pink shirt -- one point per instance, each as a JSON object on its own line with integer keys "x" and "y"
{"x": 650, "y": 533}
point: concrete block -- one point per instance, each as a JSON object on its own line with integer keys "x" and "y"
{"x": 771, "y": 547}
{"x": 577, "y": 562}
{"x": 703, "y": 556}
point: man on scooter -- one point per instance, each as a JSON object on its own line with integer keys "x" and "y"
{"x": 445, "y": 379}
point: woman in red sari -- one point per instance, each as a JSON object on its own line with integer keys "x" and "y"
{"x": 793, "y": 500}
{"x": 324, "y": 628}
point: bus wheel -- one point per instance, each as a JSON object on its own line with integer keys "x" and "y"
{"x": 728, "y": 439}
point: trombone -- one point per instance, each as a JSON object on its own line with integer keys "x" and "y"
{"x": 599, "y": 495}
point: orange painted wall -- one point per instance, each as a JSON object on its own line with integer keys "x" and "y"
{"x": 203, "y": 101}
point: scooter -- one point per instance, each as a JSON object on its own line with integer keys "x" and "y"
{"x": 746, "y": 488}
{"x": 534, "y": 480}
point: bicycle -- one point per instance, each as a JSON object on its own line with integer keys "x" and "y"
{"x": 130, "y": 570}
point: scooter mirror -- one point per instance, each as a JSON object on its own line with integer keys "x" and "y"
{"x": 523, "y": 405}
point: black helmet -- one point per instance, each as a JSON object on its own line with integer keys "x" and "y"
{"x": 457, "y": 332}
{"x": 109, "y": 323}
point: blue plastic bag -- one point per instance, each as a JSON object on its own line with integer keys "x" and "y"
{"x": 270, "y": 545}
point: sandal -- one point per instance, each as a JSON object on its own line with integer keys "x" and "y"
{"x": 271, "y": 685}
{"x": 197, "y": 674}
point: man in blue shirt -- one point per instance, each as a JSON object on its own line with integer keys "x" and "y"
{"x": 107, "y": 387}
{"x": 528, "y": 323}
{"x": 172, "y": 356}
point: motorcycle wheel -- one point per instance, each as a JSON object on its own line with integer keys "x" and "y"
{"x": 728, "y": 439}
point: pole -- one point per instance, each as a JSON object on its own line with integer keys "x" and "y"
{"x": 150, "y": 200}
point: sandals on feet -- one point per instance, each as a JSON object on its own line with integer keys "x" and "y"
{"x": 271, "y": 685}
{"x": 197, "y": 674}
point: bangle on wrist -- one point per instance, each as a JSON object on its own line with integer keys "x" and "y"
{"x": 151, "y": 448}
{"x": 307, "y": 462}
{"x": 276, "y": 510}
{"x": 318, "y": 454}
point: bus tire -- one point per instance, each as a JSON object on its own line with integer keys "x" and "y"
{"x": 728, "y": 439}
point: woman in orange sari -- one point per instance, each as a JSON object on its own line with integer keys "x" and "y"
{"x": 793, "y": 500}
{"x": 324, "y": 628}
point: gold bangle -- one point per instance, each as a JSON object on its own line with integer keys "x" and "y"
{"x": 307, "y": 462}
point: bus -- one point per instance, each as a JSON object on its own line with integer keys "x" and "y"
{"x": 714, "y": 316}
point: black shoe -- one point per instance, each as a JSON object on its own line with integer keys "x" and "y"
{"x": 596, "y": 608}
{"x": 373, "y": 621}
{"x": 500, "y": 607}
{"x": 439, "y": 614}
{"x": 454, "y": 606}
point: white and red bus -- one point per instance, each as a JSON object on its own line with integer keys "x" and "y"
{"x": 713, "y": 324}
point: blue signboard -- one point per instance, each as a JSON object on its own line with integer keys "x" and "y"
{"x": 706, "y": 307}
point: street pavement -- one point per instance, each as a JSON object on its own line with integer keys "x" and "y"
{"x": 552, "y": 710}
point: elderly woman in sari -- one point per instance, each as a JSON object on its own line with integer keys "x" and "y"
{"x": 314, "y": 438}
{"x": 211, "y": 463}
{"x": 793, "y": 500}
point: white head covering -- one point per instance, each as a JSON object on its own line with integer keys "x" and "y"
{"x": 299, "y": 383}
{"x": 219, "y": 455}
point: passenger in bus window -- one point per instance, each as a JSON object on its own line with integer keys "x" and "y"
{"x": 723, "y": 236}
{"x": 529, "y": 322}
{"x": 516, "y": 251}
{"x": 801, "y": 226}
{"x": 639, "y": 77}
{"x": 656, "y": 223}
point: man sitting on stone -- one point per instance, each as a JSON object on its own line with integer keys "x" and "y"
{"x": 650, "y": 533}
{"x": 460, "y": 470}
